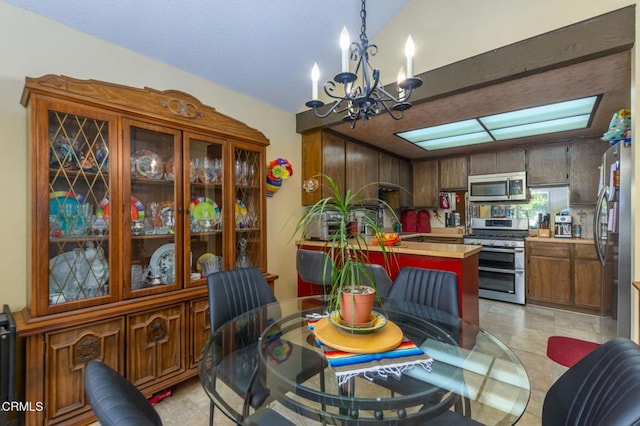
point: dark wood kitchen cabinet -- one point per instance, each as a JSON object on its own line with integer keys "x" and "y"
{"x": 425, "y": 183}
{"x": 406, "y": 183}
{"x": 126, "y": 180}
{"x": 323, "y": 152}
{"x": 453, "y": 174}
{"x": 584, "y": 171}
{"x": 548, "y": 272}
{"x": 388, "y": 169}
{"x": 568, "y": 275}
{"x": 548, "y": 165}
{"x": 510, "y": 160}
{"x": 361, "y": 170}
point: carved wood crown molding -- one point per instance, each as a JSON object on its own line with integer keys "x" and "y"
{"x": 182, "y": 108}
{"x": 171, "y": 105}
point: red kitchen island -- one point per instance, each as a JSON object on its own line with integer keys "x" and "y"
{"x": 458, "y": 258}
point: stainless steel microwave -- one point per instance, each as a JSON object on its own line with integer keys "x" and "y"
{"x": 498, "y": 187}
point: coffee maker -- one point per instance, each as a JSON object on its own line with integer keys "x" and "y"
{"x": 563, "y": 226}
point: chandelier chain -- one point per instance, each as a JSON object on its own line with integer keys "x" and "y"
{"x": 363, "y": 16}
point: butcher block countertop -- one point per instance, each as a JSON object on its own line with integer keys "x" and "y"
{"x": 561, "y": 240}
{"x": 453, "y": 251}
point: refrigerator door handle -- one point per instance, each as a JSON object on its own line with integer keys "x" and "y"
{"x": 597, "y": 225}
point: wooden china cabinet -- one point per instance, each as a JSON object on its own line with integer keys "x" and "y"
{"x": 136, "y": 195}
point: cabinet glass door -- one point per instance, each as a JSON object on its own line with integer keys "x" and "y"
{"x": 77, "y": 235}
{"x": 205, "y": 204}
{"x": 151, "y": 223}
{"x": 248, "y": 178}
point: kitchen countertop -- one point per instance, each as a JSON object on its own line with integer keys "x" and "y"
{"x": 561, "y": 240}
{"x": 453, "y": 251}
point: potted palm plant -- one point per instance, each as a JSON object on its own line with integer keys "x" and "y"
{"x": 348, "y": 251}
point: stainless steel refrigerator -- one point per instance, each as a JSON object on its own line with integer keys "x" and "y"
{"x": 612, "y": 230}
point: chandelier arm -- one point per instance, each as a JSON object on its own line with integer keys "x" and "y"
{"x": 392, "y": 112}
{"x": 318, "y": 114}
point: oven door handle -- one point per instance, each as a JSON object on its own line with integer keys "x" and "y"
{"x": 501, "y": 271}
{"x": 499, "y": 250}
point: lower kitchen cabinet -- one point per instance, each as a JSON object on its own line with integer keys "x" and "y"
{"x": 567, "y": 275}
{"x": 548, "y": 273}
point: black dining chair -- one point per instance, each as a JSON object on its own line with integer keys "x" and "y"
{"x": 603, "y": 388}
{"x": 428, "y": 287}
{"x": 114, "y": 400}
{"x": 231, "y": 294}
{"x": 380, "y": 278}
{"x": 432, "y": 295}
{"x": 315, "y": 267}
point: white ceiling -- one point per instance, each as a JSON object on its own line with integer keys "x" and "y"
{"x": 262, "y": 48}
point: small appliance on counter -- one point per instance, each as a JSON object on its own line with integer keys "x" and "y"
{"x": 563, "y": 226}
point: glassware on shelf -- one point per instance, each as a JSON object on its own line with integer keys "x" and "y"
{"x": 243, "y": 261}
{"x": 99, "y": 224}
{"x": 244, "y": 173}
{"x": 217, "y": 168}
{"x": 252, "y": 175}
{"x": 238, "y": 171}
{"x": 84, "y": 219}
{"x": 55, "y": 225}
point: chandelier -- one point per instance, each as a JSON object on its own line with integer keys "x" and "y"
{"x": 362, "y": 96}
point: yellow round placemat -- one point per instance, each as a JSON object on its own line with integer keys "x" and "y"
{"x": 384, "y": 339}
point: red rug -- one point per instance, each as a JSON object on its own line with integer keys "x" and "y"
{"x": 567, "y": 350}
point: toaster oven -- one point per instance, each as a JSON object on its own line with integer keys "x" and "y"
{"x": 323, "y": 226}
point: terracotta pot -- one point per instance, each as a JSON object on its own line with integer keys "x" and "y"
{"x": 356, "y": 308}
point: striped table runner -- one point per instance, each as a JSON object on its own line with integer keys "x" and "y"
{"x": 375, "y": 365}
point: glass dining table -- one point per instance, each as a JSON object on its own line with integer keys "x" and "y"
{"x": 444, "y": 370}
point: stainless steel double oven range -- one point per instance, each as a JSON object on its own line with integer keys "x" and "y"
{"x": 501, "y": 272}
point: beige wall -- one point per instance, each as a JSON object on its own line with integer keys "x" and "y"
{"x": 444, "y": 32}
{"x": 32, "y": 46}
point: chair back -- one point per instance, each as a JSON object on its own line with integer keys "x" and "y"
{"x": 603, "y": 388}
{"x": 115, "y": 401}
{"x": 314, "y": 266}
{"x": 235, "y": 292}
{"x": 381, "y": 279}
{"x": 436, "y": 289}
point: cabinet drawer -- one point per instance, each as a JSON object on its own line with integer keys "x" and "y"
{"x": 585, "y": 251}
{"x": 549, "y": 250}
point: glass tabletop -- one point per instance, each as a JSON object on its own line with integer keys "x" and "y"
{"x": 453, "y": 369}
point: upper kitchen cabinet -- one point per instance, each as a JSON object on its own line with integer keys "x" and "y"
{"x": 406, "y": 183}
{"x": 362, "y": 171}
{"x": 453, "y": 174}
{"x": 323, "y": 153}
{"x": 425, "y": 183}
{"x": 389, "y": 169}
{"x": 585, "y": 160}
{"x": 548, "y": 165}
{"x": 512, "y": 160}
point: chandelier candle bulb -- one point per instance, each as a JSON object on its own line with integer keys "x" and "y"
{"x": 345, "y": 41}
{"x": 315, "y": 76}
{"x": 409, "y": 50}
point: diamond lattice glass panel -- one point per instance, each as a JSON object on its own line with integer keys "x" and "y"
{"x": 78, "y": 186}
{"x": 248, "y": 232}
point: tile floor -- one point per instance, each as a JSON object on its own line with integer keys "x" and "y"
{"x": 524, "y": 329}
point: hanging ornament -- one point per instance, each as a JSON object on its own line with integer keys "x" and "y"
{"x": 277, "y": 171}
